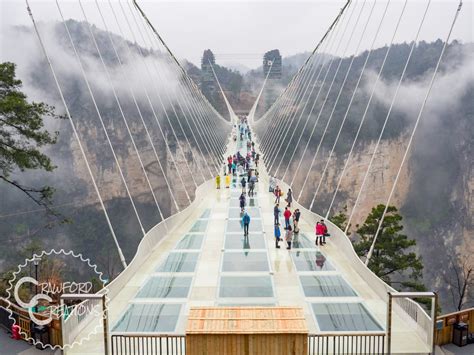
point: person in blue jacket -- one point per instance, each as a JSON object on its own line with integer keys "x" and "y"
{"x": 246, "y": 223}
{"x": 277, "y": 235}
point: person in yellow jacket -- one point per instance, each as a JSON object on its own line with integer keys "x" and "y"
{"x": 218, "y": 181}
{"x": 227, "y": 181}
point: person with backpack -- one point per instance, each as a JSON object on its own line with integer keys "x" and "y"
{"x": 246, "y": 223}
{"x": 296, "y": 220}
{"x": 287, "y": 215}
{"x": 289, "y": 237}
{"x": 277, "y": 233}
{"x": 242, "y": 202}
{"x": 276, "y": 214}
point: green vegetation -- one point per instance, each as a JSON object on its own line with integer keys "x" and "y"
{"x": 392, "y": 259}
{"x": 340, "y": 219}
{"x": 22, "y": 134}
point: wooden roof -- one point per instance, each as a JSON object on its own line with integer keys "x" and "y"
{"x": 246, "y": 320}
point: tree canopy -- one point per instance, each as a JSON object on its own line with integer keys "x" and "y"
{"x": 392, "y": 260}
{"x": 22, "y": 135}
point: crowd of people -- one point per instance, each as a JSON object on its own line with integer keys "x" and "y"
{"x": 243, "y": 168}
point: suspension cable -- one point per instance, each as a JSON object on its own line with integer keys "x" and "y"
{"x": 254, "y": 106}
{"x": 283, "y": 116}
{"x": 353, "y": 93}
{"x": 327, "y": 96}
{"x": 76, "y": 135}
{"x": 147, "y": 95}
{"x": 420, "y": 113}
{"x": 100, "y": 116}
{"x": 287, "y": 145}
{"x": 346, "y": 164}
{"x": 328, "y": 70}
{"x": 402, "y": 75}
{"x": 329, "y": 45}
{"x": 155, "y": 66}
{"x": 119, "y": 60}
{"x": 292, "y": 111}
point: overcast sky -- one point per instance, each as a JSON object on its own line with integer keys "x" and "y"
{"x": 239, "y": 32}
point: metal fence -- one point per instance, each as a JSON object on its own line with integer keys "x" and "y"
{"x": 159, "y": 344}
{"x": 318, "y": 344}
{"x": 372, "y": 343}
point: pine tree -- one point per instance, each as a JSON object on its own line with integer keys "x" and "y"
{"x": 22, "y": 135}
{"x": 392, "y": 259}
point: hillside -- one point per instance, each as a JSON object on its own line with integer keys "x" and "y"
{"x": 435, "y": 192}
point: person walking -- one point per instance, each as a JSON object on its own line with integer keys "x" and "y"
{"x": 243, "y": 182}
{"x": 289, "y": 197}
{"x": 251, "y": 187}
{"x": 278, "y": 194}
{"x": 276, "y": 214}
{"x": 289, "y": 237}
{"x": 277, "y": 233}
{"x": 242, "y": 202}
{"x": 233, "y": 168}
{"x": 227, "y": 181}
{"x": 287, "y": 215}
{"x": 218, "y": 182}
{"x": 246, "y": 223}
{"x": 296, "y": 220}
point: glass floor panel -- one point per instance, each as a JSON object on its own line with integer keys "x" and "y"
{"x": 302, "y": 240}
{"x": 179, "y": 262}
{"x": 191, "y": 241}
{"x": 199, "y": 226}
{"x": 245, "y": 261}
{"x": 248, "y": 286}
{"x": 235, "y": 225}
{"x": 165, "y": 287}
{"x": 238, "y": 241}
{"x": 157, "y": 317}
{"x": 252, "y": 202}
{"x": 310, "y": 261}
{"x": 326, "y": 286}
{"x": 206, "y": 213}
{"x": 235, "y": 212}
{"x": 344, "y": 317}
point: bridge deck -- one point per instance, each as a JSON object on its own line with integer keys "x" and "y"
{"x": 228, "y": 269}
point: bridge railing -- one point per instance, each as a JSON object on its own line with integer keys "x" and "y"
{"x": 347, "y": 343}
{"x": 156, "y": 344}
{"x": 408, "y": 310}
{"x": 75, "y": 324}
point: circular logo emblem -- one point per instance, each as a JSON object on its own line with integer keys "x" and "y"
{"x": 60, "y": 293}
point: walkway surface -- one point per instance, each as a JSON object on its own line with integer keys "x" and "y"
{"x": 207, "y": 261}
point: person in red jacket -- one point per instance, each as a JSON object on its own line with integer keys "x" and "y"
{"x": 319, "y": 233}
{"x": 287, "y": 215}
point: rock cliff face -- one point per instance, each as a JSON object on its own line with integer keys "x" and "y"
{"x": 435, "y": 190}
{"x": 175, "y": 152}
